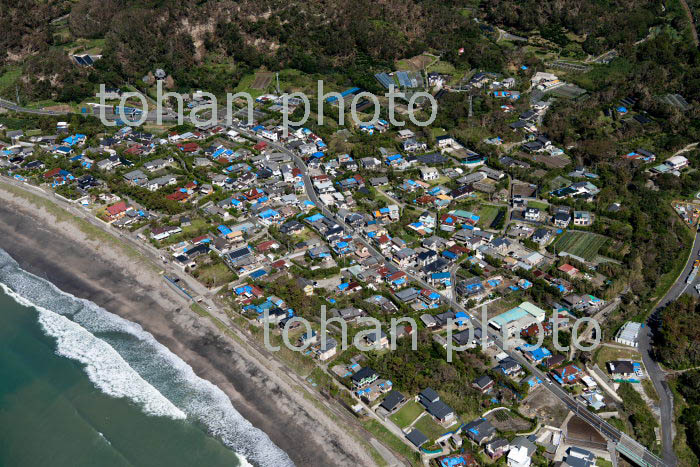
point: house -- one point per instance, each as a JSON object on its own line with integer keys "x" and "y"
{"x": 583, "y": 218}
{"x": 676, "y": 162}
{"x": 518, "y": 457}
{"x": 480, "y": 431}
{"x": 392, "y": 401}
{"x": 541, "y": 236}
{"x": 569, "y": 270}
{"x": 570, "y": 374}
{"x": 406, "y": 134}
{"x": 579, "y": 457}
{"x": 553, "y": 361}
{"x": 364, "y": 377}
{"x": 532, "y": 214}
{"x": 483, "y": 383}
{"x": 377, "y": 339}
{"x": 509, "y": 367}
{"x": 496, "y": 448}
{"x": 562, "y": 219}
{"x": 429, "y": 173}
{"x": 417, "y": 438}
{"x": 623, "y": 369}
{"x": 327, "y": 349}
{"x": 116, "y": 211}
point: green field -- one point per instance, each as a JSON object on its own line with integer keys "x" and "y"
{"x": 487, "y": 214}
{"x": 582, "y": 244}
{"x": 538, "y": 204}
{"x": 430, "y": 427}
{"x": 407, "y": 414}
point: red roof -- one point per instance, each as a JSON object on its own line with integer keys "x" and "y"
{"x": 396, "y": 275}
{"x": 134, "y": 150}
{"x": 383, "y": 239}
{"x": 188, "y": 147}
{"x": 426, "y": 199}
{"x": 260, "y": 146}
{"x": 116, "y": 208}
{"x": 52, "y": 173}
{"x": 200, "y": 239}
{"x": 568, "y": 269}
{"x": 279, "y": 264}
{"x": 257, "y": 291}
{"x": 253, "y": 194}
{"x": 264, "y": 246}
{"x": 177, "y": 196}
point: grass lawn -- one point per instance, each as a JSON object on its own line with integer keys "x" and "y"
{"x": 579, "y": 243}
{"x": 606, "y": 353}
{"x": 430, "y": 427}
{"x": 487, "y": 213}
{"x": 214, "y": 275}
{"x": 407, "y": 414}
{"x": 9, "y": 78}
{"x": 445, "y": 68}
{"x": 388, "y": 438}
{"x": 538, "y": 204}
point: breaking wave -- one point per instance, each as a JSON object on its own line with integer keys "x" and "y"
{"x": 123, "y": 360}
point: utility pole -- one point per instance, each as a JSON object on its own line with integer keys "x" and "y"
{"x": 277, "y": 75}
{"x": 17, "y": 93}
{"x": 471, "y": 109}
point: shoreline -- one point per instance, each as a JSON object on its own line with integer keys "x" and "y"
{"x": 51, "y": 246}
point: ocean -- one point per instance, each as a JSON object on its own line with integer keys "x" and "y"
{"x": 80, "y": 386}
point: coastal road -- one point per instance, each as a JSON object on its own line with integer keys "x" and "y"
{"x": 610, "y": 432}
{"x": 656, "y": 374}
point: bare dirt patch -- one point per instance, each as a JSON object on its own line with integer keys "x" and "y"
{"x": 547, "y": 409}
{"x": 262, "y": 80}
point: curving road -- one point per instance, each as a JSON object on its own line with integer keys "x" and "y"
{"x": 656, "y": 374}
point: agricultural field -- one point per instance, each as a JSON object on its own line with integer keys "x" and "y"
{"x": 261, "y": 80}
{"x": 504, "y": 420}
{"x": 582, "y": 244}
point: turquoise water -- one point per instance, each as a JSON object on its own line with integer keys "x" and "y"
{"x": 81, "y": 386}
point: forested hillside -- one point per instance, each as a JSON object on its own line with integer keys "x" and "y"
{"x": 192, "y": 38}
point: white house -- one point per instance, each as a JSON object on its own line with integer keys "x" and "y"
{"x": 269, "y": 134}
{"x": 532, "y": 214}
{"x": 676, "y": 162}
{"x": 406, "y": 134}
{"x": 429, "y": 173}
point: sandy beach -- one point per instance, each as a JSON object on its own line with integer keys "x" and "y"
{"x": 101, "y": 272}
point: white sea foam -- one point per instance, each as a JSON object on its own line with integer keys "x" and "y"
{"x": 107, "y": 370}
{"x": 123, "y": 360}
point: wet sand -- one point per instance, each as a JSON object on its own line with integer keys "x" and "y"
{"x": 99, "y": 272}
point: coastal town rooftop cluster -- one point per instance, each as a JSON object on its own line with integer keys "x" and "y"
{"x": 425, "y": 227}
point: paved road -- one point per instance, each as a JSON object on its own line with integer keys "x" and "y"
{"x": 14, "y": 107}
{"x": 168, "y": 114}
{"x": 578, "y": 408}
{"x": 656, "y": 374}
